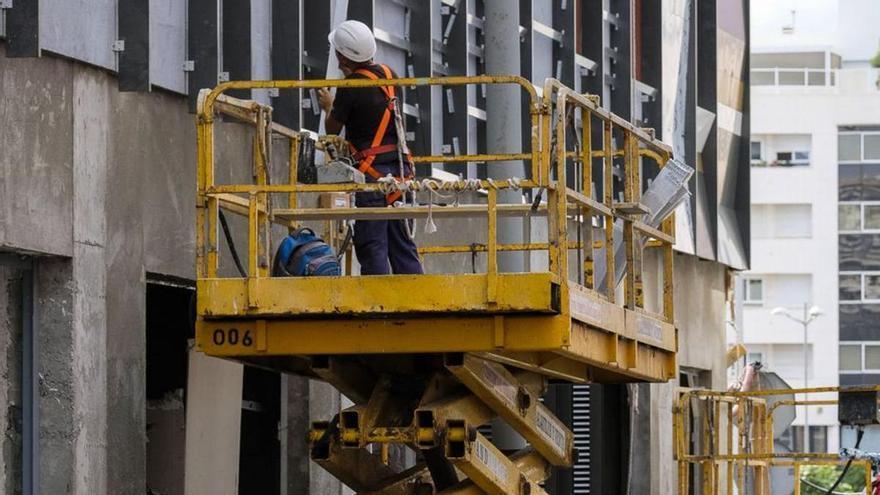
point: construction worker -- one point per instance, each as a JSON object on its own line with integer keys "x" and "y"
{"x": 368, "y": 116}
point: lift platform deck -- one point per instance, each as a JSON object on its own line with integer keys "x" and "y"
{"x": 428, "y": 358}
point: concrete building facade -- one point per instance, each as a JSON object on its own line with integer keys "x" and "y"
{"x": 97, "y": 179}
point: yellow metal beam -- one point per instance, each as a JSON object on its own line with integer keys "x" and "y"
{"x": 486, "y": 466}
{"x": 527, "y": 461}
{"x": 503, "y": 393}
{"x": 378, "y": 295}
{"x": 380, "y": 336}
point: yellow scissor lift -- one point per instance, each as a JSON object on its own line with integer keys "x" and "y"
{"x": 426, "y": 359}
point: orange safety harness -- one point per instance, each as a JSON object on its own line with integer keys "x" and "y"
{"x": 367, "y": 156}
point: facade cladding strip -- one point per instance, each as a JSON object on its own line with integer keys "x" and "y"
{"x": 859, "y": 252}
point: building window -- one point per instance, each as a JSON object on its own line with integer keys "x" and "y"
{"x": 849, "y": 217}
{"x": 793, "y": 438}
{"x": 871, "y": 217}
{"x": 858, "y": 146}
{"x": 754, "y": 291}
{"x": 755, "y": 357}
{"x": 872, "y": 357}
{"x": 851, "y": 287}
{"x": 850, "y": 357}
{"x": 859, "y": 288}
{"x": 871, "y": 146}
{"x": 756, "y": 154}
{"x": 859, "y": 357}
{"x": 872, "y": 288}
{"x": 849, "y": 147}
{"x": 859, "y": 216}
{"x": 791, "y": 158}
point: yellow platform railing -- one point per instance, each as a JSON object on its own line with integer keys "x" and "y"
{"x": 723, "y": 441}
{"x": 580, "y": 223}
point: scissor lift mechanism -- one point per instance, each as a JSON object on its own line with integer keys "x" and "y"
{"x": 426, "y": 359}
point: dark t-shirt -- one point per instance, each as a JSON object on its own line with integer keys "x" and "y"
{"x": 360, "y": 110}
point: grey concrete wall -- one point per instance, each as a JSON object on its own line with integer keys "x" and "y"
{"x": 105, "y": 181}
{"x": 10, "y": 375}
{"x": 58, "y": 434}
{"x": 700, "y": 302}
{"x": 36, "y": 163}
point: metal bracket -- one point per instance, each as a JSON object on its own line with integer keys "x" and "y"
{"x": 223, "y": 77}
{"x": 188, "y": 65}
{"x": 274, "y": 92}
{"x": 5, "y": 4}
{"x": 118, "y": 46}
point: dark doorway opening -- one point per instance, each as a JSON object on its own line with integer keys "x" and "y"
{"x": 169, "y": 329}
{"x": 260, "y": 459}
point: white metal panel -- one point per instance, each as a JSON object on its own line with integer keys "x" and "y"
{"x": 168, "y": 44}
{"x": 80, "y": 29}
{"x": 390, "y": 17}
{"x": 261, "y": 45}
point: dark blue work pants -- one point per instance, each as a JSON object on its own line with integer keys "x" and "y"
{"x": 379, "y": 243}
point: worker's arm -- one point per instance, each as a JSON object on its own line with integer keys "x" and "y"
{"x": 325, "y": 99}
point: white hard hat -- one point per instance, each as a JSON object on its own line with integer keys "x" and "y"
{"x": 354, "y": 40}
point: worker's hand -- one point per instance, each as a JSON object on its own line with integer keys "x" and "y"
{"x": 325, "y": 99}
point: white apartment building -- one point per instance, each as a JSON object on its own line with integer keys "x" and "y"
{"x": 815, "y": 127}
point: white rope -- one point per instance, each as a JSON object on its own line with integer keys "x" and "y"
{"x": 445, "y": 189}
{"x": 389, "y": 184}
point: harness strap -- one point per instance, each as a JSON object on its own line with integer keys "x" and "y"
{"x": 367, "y": 156}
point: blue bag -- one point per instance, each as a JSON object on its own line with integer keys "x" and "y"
{"x": 303, "y": 254}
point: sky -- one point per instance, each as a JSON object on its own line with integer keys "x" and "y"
{"x": 848, "y": 27}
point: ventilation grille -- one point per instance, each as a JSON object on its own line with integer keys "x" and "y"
{"x": 580, "y": 416}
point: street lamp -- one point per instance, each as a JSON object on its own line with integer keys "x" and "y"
{"x": 810, "y": 314}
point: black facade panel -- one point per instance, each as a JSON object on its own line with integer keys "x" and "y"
{"x": 202, "y": 46}
{"x": 237, "y": 43}
{"x": 315, "y": 53}
{"x": 849, "y": 182}
{"x": 361, "y": 10}
{"x": 871, "y": 182}
{"x": 420, "y": 64}
{"x": 861, "y": 379}
{"x": 23, "y": 29}
{"x": 592, "y": 47}
{"x": 286, "y": 60}
{"x": 859, "y": 322}
{"x": 525, "y": 70}
{"x": 134, "y": 30}
{"x": 454, "y": 111}
{"x": 859, "y": 182}
{"x": 651, "y": 21}
{"x": 690, "y": 121}
{"x": 707, "y": 99}
{"x": 609, "y": 438}
{"x": 859, "y": 252}
{"x": 563, "y": 53}
{"x": 621, "y": 66}
{"x": 743, "y": 177}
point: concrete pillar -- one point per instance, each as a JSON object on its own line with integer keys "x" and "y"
{"x": 213, "y": 425}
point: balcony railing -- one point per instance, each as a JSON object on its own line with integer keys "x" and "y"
{"x": 793, "y": 77}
